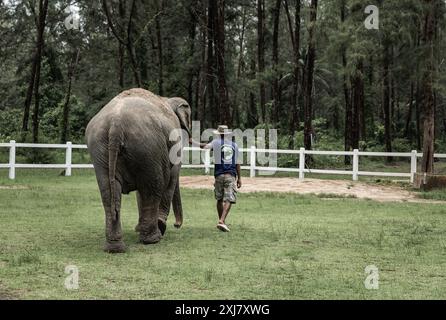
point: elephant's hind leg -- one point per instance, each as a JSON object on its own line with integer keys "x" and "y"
{"x": 148, "y": 219}
{"x": 113, "y": 231}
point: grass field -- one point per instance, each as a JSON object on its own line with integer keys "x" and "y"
{"x": 281, "y": 246}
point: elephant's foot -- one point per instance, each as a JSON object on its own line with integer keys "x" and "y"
{"x": 162, "y": 225}
{"x": 114, "y": 247}
{"x": 150, "y": 238}
{"x": 177, "y": 225}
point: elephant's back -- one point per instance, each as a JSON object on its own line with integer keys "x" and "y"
{"x": 141, "y": 93}
{"x": 148, "y": 99}
{"x": 132, "y": 109}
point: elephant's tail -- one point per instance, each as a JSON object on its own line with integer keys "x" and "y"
{"x": 114, "y": 146}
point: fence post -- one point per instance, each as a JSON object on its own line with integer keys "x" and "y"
{"x": 12, "y": 159}
{"x": 207, "y": 161}
{"x": 355, "y": 164}
{"x": 68, "y": 160}
{"x": 302, "y": 164}
{"x": 252, "y": 162}
{"x": 413, "y": 165}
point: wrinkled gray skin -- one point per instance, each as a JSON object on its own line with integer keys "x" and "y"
{"x": 129, "y": 144}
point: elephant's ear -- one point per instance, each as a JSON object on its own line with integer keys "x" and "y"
{"x": 183, "y": 112}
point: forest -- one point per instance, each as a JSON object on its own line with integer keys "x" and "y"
{"x": 328, "y": 74}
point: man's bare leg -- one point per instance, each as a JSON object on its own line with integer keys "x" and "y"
{"x": 220, "y": 208}
{"x": 225, "y": 212}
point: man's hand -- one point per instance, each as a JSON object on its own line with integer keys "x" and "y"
{"x": 198, "y": 144}
{"x": 239, "y": 183}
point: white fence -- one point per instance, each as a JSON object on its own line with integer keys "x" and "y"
{"x": 252, "y": 164}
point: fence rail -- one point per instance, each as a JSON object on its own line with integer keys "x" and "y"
{"x": 252, "y": 166}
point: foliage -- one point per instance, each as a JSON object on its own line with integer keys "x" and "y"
{"x": 184, "y": 39}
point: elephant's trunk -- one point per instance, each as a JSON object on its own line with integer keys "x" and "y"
{"x": 177, "y": 206}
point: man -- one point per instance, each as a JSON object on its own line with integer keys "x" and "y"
{"x": 226, "y": 172}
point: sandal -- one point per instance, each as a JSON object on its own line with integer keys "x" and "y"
{"x": 223, "y": 227}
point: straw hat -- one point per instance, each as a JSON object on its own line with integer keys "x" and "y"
{"x": 223, "y": 130}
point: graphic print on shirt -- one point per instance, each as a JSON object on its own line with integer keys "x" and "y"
{"x": 227, "y": 152}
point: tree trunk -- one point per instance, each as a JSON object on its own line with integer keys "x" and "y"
{"x": 223, "y": 101}
{"x": 418, "y": 89}
{"x": 252, "y": 117}
{"x": 159, "y": 41}
{"x": 427, "y": 163}
{"x": 201, "y": 82}
{"x": 241, "y": 44}
{"x": 357, "y": 103}
{"x": 127, "y": 42}
{"x": 43, "y": 10}
{"x": 121, "y": 49}
{"x": 362, "y": 115}
{"x": 192, "y": 69}
{"x": 386, "y": 100}
{"x": 236, "y": 119}
{"x": 211, "y": 62}
{"x": 261, "y": 55}
{"x": 295, "y": 41}
{"x": 275, "y": 88}
{"x": 36, "y": 105}
{"x": 131, "y": 48}
{"x": 35, "y": 68}
{"x": 66, "y": 108}
{"x": 308, "y": 82}
{"x": 346, "y": 90}
{"x": 407, "y": 133}
{"x": 418, "y": 115}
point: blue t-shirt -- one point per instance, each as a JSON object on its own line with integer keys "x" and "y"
{"x": 225, "y": 156}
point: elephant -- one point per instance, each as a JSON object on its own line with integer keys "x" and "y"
{"x": 129, "y": 141}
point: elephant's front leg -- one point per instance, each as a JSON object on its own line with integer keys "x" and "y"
{"x": 167, "y": 198}
{"x": 148, "y": 218}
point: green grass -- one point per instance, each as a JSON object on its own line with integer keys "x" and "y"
{"x": 439, "y": 194}
{"x": 281, "y": 246}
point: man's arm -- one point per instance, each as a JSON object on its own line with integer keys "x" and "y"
{"x": 199, "y": 144}
{"x": 239, "y": 176}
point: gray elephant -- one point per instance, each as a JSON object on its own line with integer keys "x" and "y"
{"x": 129, "y": 141}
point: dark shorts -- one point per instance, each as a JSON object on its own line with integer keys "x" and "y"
{"x": 225, "y": 188}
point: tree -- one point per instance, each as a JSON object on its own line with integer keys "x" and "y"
{"x": 125, "y": 38}
{"x": 202, "y": 76}
{"x": 357, "y": 103}
{"x": 308, "y": 78}
{"x": 34, "y": 79}
{"x": 295, "y": 42}
{"x": 159, "y": 40}
{"x": 276, "y": 87}
{"x": 43, "y": 10}
{"x": 223, "y": 102}
{"x": 121, "y": 47}
{"x": 261, "y": 55}
{"x": 210, "y": 87}
{"x": 427, "y": 164}
{"x": 386, "y": 97}
{"x": 241, "y": 62}
{"x": 66, "y": 106}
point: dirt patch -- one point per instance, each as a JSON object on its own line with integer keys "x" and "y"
{"x": 341, "y": 188}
